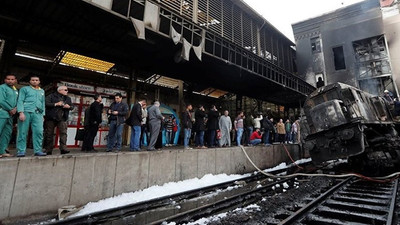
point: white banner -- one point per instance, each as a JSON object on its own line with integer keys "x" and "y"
{"x": 75, "y": 86}
{"x": 110, "y": 91}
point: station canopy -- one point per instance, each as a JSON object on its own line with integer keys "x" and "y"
{"x": 85, "y": 62}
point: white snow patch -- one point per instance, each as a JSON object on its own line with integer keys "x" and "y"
{"x": 155, "y": 192}
{"x": 230, "y": 188}
{"x": 285, "y": 185}
{"x": 168, "y": 189}
{"x": 204, "y": 221}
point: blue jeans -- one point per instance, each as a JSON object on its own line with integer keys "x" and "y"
{"x": 114, "y": 135}
{"x": 200, "y": 138}
{"x": 288, "y": 137}
{"x": 168, "y": 135}
{"x": 294, "y": 137}
{"x": 250, "y": 129}
{"x": 186, "y": 139}
{"x": 266, "y": 137}
{"x": 211, "y": 138}
{"x": 239, "y": 135}
{"x": 255, "y": 141}
{"x": 135, "y": 138}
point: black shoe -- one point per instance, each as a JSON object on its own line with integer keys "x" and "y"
{"x": 63, "y": 152}
{"x": 49, "y": 153}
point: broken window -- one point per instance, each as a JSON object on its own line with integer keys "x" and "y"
{"x": 371, "y": 57}
{"x": 338, "y": 57}
{"x": 315, "y": 45}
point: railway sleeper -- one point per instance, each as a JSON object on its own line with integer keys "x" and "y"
{"x": 376, "y": 202}
{"x": 355, "y": 207}
{"x": 351, "y": 217}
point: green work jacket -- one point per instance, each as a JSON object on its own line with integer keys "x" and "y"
{"x": 31, "y": 100}
{"x": 8, "y": 100}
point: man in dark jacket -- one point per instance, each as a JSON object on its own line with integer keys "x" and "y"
{"x": 93, "y": 123}
{"x": 212, "y": 125}
{"x": 187, "y": 124}
{"x": 117, "y": 112}
{"x": 58, "y": 105}
{"x": 268, "y": 128}
{"x": 135, "y": 121}
{"x": 199, "y": 126}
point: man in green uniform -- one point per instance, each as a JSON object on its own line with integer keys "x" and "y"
{"x": 8, "y": 108}
{"x": 31, "y": 109}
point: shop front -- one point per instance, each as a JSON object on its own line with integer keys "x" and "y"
{"x": 82, "y": 96}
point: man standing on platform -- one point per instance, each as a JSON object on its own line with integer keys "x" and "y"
{"x": 58, "y": 105}
{"x": 135, "y": 121}
{"x": 31, "y": 109}
{"x": 187, "y": 124}
{"x": 155, "y": 118}
{"x": 239, "y": 125}
{"x": 225, "y": 125}
{"x": 8, "y": 108}
{"x": 92, "y": 123}
{"x": 117, "y": 112}
{"x": 212, "y": 125}
{"x": 144, "y": 128}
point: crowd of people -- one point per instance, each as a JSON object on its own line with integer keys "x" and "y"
{"x": 201, "y": 128}
{"x": 211, "y": 129}
{"x": 33, "y": 110}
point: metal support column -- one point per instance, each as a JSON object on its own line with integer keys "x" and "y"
{"x": 9, "y": 48}
{"x": 181, "y": 100}
{"x": 131, "y": 100}
{"x": 259, "y": 106}
{"x": 239, "y": 103}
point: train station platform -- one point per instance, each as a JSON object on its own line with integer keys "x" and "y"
{"x": 40, "y": 185}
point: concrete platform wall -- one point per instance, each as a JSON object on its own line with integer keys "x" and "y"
{"x": 42, "y": 185}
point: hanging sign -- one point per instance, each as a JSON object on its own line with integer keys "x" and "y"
{"x": 75, "y": 86}
{"x": 110, "y": 91}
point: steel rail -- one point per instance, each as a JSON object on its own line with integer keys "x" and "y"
{"x": 393, "y": 204}
{"x": 313, "y": 203}
{"x": 216, "y": 207}
{"x": 135, "y": 208}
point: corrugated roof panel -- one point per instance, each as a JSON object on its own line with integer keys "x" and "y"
{"x": 85, "y": 62}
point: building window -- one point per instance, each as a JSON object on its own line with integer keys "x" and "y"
{"x": 315, "y": 45}
{"x": 338, "y": 57}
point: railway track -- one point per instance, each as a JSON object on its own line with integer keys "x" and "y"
{"x": 189, "y": 205}
{"x": 352, "y": 201}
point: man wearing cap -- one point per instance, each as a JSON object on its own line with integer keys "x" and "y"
{"x": 388, "y": 96}
{"x": 8, "y": 108}
{"x": 155, "y": 118}
{"x": 31, "y": 109}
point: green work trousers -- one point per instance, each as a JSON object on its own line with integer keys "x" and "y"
{"x": 35, "y": 120}
{"x": 6, "y": 126}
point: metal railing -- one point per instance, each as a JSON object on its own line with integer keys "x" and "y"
{"x": 220, "y": 44}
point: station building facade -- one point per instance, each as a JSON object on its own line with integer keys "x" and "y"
{"x": 357, "y": 45}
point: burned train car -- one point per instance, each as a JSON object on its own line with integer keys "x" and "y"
{"x": 347, "y": 123}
